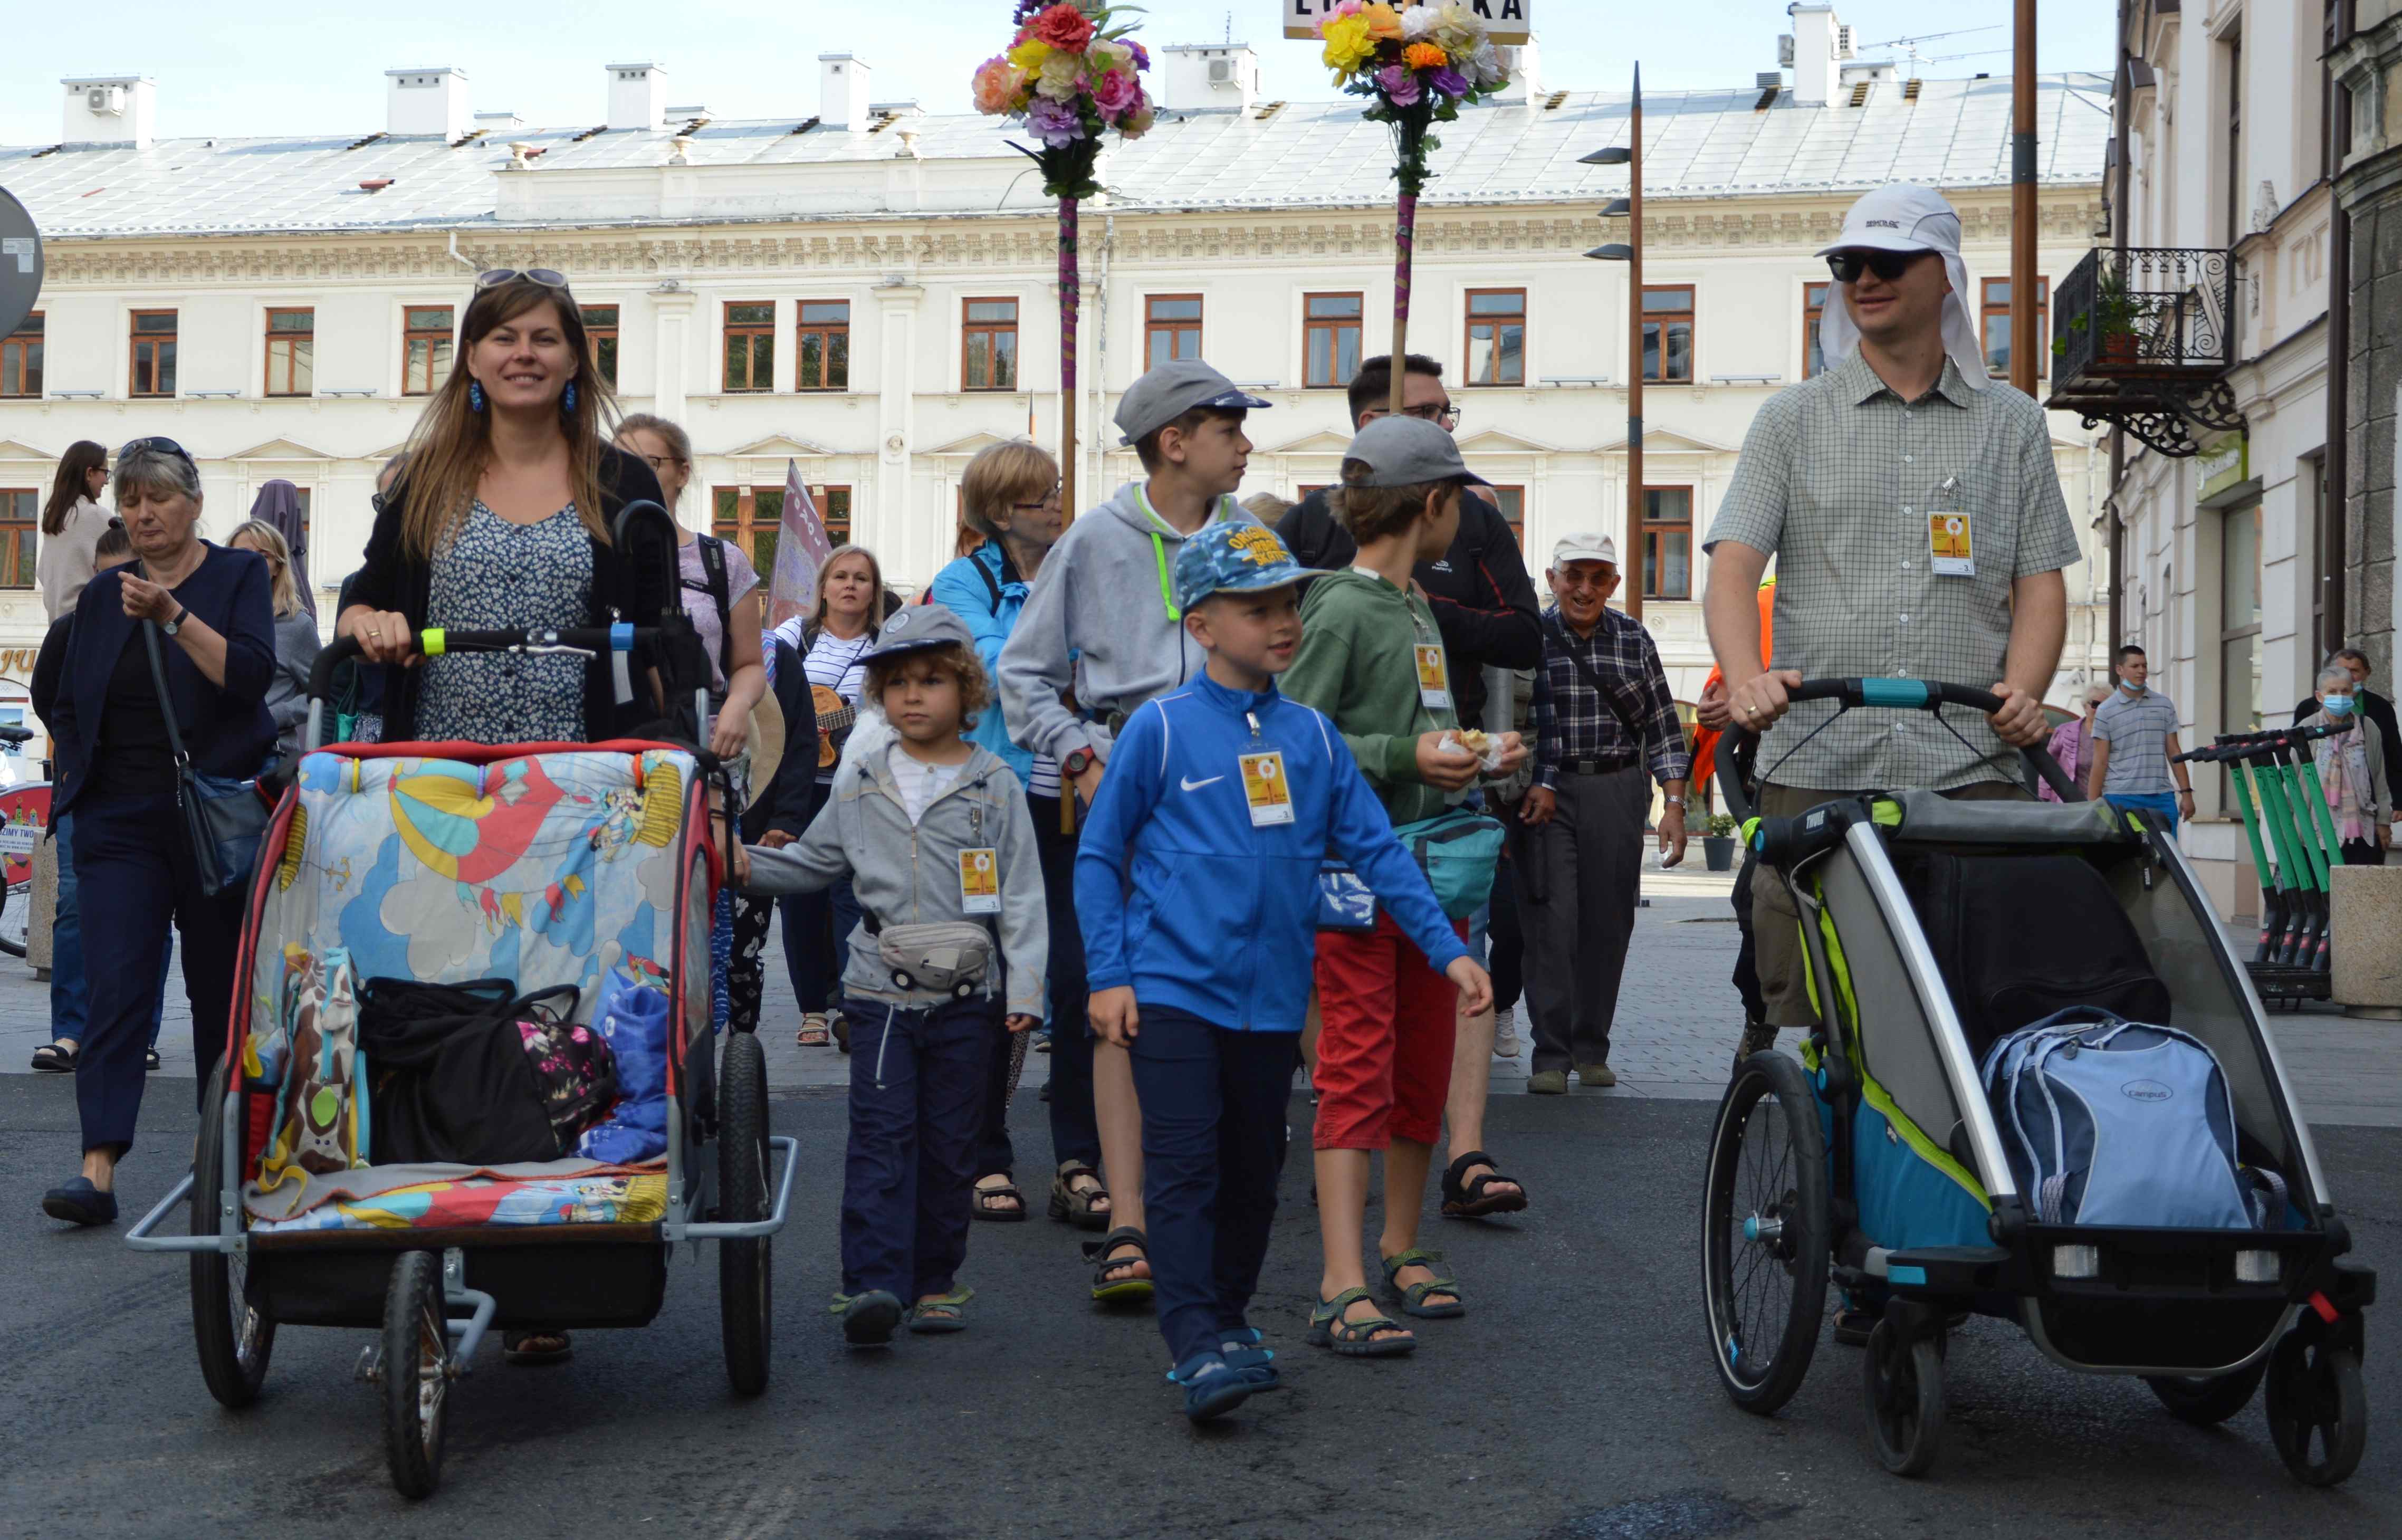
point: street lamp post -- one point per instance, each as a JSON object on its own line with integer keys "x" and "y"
{"x": 1630, "y": 155}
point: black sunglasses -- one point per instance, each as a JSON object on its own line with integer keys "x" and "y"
{"x": 493, "y": 277}
{"x": 1890, "y": 266}
{"x": 164, "y": 445}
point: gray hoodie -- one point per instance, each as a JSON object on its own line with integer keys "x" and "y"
{"x": 909, "y": 876}
{"x": 1097, "y": 622}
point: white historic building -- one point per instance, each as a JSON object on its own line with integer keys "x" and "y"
{"x": 868, "y": 291}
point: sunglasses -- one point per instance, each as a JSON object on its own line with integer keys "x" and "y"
{"x": 161, "y": 446}
{"x": 548, "y": 277}
{"x": 1890, "y": 266}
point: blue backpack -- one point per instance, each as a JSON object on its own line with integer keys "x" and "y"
{"x": 2108, "y": 1121}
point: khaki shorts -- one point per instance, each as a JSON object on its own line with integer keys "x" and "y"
{"x": 1776, "y": 925}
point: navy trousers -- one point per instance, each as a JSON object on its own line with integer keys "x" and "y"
{"x": 917, "y": 1083}
{"x": 134, "y": 867}
{"x": 1213, "y": 1142}
{"x": 1075, "y": 1134}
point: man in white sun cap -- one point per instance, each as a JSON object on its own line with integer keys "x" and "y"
{"x": 1917, "y": 512}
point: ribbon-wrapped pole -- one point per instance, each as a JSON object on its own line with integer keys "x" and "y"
{"x": 1404, "y": 248}
{"x": 1071, "y": 301}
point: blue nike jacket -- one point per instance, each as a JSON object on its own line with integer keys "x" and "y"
{"x": 1180, "y": 896}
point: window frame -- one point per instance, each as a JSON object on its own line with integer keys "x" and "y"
{"x": 743, "y": 527}
{"x": 18, "y": 547}
{"x": 1989, "y": 310}
{"x": 1335, "y": 326}
{"x": 1501, "y": 492}
{"x": 1664, "y": 319}
{"x": 295, "y": 342}
{"x": 15, "y": 345}
{"x": 1652, "y": 532}
{"x": 595, "y": 334}
{"x": 1496, "y": 320}
{"x": 970, "y": 328}
{"x": 754, "y": 333}
{"x": 1814, "y": 320}
{"x": 825, "y": 331}
{"x": 135, "y": 341}
{"x": 412, "y": 334}
{"x": 1173, "y": 329}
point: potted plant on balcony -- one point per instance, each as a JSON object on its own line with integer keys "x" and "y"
{"x": 2112, "y": 319}
{"x": 1717, "y": 842}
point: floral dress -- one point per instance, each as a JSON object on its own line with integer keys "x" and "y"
{"x": 494, "y": 576}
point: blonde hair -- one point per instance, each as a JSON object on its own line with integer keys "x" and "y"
{"x": 278, "y": 552}
{"x": 875, "y": 579}
{"x": 679, "y": 442}
{"x": 452, "y": 444}
{"x": 1000, "y": 477}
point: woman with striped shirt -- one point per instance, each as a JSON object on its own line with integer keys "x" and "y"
{"x": 834, "y": 647}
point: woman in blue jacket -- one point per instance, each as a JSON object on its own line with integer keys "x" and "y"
{"x": 208, "y": 609}
{"x": 1009, "y": 497}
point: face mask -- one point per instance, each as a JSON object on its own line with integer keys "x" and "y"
{"x": 2131, "y": 687}
{"x": 2337, "y": 707}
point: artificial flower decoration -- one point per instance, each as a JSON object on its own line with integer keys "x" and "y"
{"x": 1071, "y": 76}
{"x": 1417, "y": 65}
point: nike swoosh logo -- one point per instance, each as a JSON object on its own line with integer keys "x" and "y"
{"x": 1191, "y": 784}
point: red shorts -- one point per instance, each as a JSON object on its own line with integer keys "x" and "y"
{"x": 1384, "y": 1038}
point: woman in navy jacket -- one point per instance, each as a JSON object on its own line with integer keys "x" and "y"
{"x": 134, "y": 860}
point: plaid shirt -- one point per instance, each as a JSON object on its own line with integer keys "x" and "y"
{"x": 1837, "y": 478}
{"x": 1574, "y": 723}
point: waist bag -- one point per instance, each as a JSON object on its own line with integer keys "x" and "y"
{"x": 1458, "y": 852}
{"x": 938, "y": 957}
{"x": 2108, "y": 1121}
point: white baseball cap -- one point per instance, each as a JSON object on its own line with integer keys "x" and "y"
{"x": 1906, "y": 218}
{"x": 1586, "y": 546}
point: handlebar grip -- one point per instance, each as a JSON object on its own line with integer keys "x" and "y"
{"x": 434, "y": 641}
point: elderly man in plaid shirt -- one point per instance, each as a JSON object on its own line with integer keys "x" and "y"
{"x": 1603, "y": 714}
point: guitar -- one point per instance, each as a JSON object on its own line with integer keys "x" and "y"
{"x": 834, "y": 722}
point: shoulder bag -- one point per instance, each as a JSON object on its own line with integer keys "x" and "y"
{"x": 223, "y": 817}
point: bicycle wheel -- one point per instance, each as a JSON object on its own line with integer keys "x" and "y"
{"x": 17, "y": 917}
{"x": 745, "y": 1269}
{"x": 416, "y": 1373}
{"x": 1764, "y": 1233}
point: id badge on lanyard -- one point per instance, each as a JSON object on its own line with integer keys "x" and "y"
{"x": 1951, "y": 534}
{"x": 980, "y": 881}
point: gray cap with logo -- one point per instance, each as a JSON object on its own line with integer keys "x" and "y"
{"x": 1404, "y": 451}
{"x": 916, "y": 626}
{"x": 1172, "y": 389}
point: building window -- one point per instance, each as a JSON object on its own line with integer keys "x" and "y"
{"x": 1669, "y": 332}
{"x": 1331, "y": 339}
{"x": 18, "y": 507}
{"x": 600, "y": 336}
{"x": 20, "y": 359}
{"x": 1814, "y": 312}
{"x": 824, "y": 345}
{"x": 1668, "y": 542}
{"x": 1997, "y": 320}
{"x": 1511, "y": 501}
{"x": 988, "y": 345}
{"x": 2234, "y": 137}
{"x": 752, "y": 518}
{"x": 2239, "y": 620}
{"x": 1496, "y": 337}
{"x": 1171, "y": 328}
{"x": 291, "y": 352}
{"x": 154, "y": 353}
{"x": 749, "y": 347}
{"x": 425, "y": 349}
{"x": 833, "y": 511}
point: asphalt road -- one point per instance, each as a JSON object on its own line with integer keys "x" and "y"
{"x": 1575, "y": 1402}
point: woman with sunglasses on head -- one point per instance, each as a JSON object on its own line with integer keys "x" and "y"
{"x": 189, "y": 628}
{"x": 1009, "y": 500}
{"x": 500, "y": 521}
{"x": 72, "y": 521}
{"x": 295, "y": 635}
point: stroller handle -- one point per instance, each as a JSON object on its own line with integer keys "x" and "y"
{"x": 434, "y": 641}
{"x": 1901, "y": 694}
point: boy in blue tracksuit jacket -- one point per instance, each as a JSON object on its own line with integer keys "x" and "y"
{"x": 1196, "y": 887}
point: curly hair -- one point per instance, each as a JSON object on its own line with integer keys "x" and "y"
{"x": 963, "y": 665}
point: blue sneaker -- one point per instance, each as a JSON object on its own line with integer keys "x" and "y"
{"x": 1243, "y": 1354}
{"x": 1211, "y": 1389}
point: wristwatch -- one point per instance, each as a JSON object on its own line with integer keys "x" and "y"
{"x": 1674, "y": 801}
{"x": 1077, "y": 762}
{"x": 177, "y": 624}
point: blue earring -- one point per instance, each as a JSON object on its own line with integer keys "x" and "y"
{"x": 567, "y": 402}
{"x": 475, "y": 396}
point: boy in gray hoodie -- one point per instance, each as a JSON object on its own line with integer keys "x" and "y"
{"x": 933, "y": 832}
{"x": 1102, "y": 635}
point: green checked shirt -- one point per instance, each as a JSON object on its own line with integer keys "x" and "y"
{"x": 1843, "y": 482}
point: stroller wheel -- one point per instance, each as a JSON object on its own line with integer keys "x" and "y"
{"x": 2318, "y": 1413}
{"x": 2207, "y": 1403}
{"x": 1905, "y": 1390}
{"x": 417, "y": 1370}
{"x": 231, "y": 1326}
{"x": 1764, "y": 1233}
{"x": 745, "y": 1269}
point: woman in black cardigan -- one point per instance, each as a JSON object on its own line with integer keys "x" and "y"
{"x": 502, "y": 520}
{"x": 216, "y": 628}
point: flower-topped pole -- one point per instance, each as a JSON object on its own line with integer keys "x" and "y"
{"x": 1416, "y": 64}
{"x": 1071, "y": 74}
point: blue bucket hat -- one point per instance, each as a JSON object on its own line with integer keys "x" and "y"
{"x": 1233, "y": 556}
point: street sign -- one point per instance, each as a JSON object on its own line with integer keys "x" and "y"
{"x": 1505, "y": 21}
{"x": 21, "y": 263}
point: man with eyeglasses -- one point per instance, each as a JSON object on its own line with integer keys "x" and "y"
{"x": 1916, "y": 511}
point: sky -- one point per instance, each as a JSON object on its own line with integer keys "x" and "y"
{"x": 316, "y": 67}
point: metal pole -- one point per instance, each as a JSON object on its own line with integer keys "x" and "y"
{"x": 2023, "y": 342}
{"x": 1631, "y": 553}
{"x": 1070, "y": 300}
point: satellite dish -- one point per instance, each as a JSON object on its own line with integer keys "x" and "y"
{"x": 21, "y": 263}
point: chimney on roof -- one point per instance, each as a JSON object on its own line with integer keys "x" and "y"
{"x": 1207, "y": 76}
{"x": 425, "y": 104}
{"x": 1820, "y": 44}
{"x": 637, "y": 95}
{"x": 842, "y": 92}
{"x": 110, "y": 109}
{"x": 1525, "y": 65}
{"x": 498, "y": 122}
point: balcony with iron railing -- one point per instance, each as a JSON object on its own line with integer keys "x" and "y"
{"x": 2142, "y": 338}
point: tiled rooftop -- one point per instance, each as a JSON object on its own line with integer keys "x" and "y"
{"x": 1299, "y": 155}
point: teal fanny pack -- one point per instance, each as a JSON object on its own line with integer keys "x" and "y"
{"x": 1458, "y": 852}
